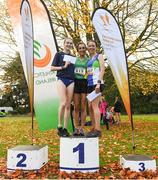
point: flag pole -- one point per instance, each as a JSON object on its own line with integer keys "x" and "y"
{"x": 32, "y": 114}
{"x": 131, "y": 116}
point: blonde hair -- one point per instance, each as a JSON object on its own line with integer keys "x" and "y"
{"x": 67, "y": 39}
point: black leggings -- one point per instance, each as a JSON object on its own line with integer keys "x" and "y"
{"x": 106, "y": 122}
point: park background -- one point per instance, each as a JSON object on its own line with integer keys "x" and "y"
{"x": 138, "y": 21}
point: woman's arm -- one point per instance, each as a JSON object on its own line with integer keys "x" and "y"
{"x": 101, "y": 74}
{"x": 58, "y": 68}
{"x": 102, "y": 66}
{"x": 55, "y": 65}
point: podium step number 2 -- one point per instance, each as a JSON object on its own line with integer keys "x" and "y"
{"x": 79, "y": 154}
{"x": 27, "y": 157}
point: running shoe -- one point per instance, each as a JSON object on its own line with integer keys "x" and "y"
{"x": 65, "y": 133}
{"x": 76, "y": 132}
{"x": 81, "y": 132}
{"x": 95, "y": 133}
{"x": 60, "y": 131}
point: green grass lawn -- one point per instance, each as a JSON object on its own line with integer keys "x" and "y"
{"x": 117, "y": 141}
{"x": 17, "y": 130}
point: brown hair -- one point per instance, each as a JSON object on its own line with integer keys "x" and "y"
{"x": 81, "y": 42}
{"x": 92, "y": 41}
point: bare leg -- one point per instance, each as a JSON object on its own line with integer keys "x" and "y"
{"x": 69, "y": 95}
{"x": 119, "y": 117}
{"x": 117, "y": 114}
{"x": 83, "y": 109}
{"x": 62, "y": 98}
{"x": 76, "y": 109}
{"x": 95, "y": 107}
{"x": 91, "y": 114}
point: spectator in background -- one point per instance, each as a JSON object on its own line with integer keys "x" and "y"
{"x": 117, "y": 110}
{"x": 110, "y": 115}
{"x": 102, "y": 107}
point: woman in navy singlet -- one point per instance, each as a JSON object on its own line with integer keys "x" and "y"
{"x": 65, "y": 85}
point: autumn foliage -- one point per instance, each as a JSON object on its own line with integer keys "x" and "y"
{"x": 115, "y": 142}
{"x": 51, "y": 171}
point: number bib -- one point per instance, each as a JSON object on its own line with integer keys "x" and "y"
{"x": 90, "y": 70}
{"x": 80, "y": 71}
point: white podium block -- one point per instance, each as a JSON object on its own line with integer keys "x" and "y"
{"x": 138, "y": 163}
{"x": 79, "y": 154}
{"x": 27, "y": 157}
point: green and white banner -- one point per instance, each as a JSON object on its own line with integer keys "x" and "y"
{"x": 27, "y": 30}
{"x": 45, "y": 91}
{"x": 46, "y": 100}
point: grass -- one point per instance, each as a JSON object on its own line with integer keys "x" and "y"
{"x": 144, "y": 117}
{"x": 117, "y": 141}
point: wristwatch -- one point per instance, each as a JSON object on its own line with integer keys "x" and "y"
{"x": 99, "y": 82}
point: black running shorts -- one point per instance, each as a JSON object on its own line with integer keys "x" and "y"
{"x": 80, "y": 86}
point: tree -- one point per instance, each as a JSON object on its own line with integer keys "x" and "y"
{"x": 144, "y": 95}
{"x": 138, "y": 20}
{"x": 15, "y": 87}
{"x": 144, "y": 81}
{"x": 8, "y": 46}
{"x": 139, "y": 26}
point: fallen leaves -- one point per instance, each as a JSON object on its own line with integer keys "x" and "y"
{"x": 126, "y": 173}
{"x": 51, "y": 171}
{"x": 115, "y": 142}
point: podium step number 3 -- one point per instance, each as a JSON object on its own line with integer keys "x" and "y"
{"x": 138, "y": 163}
{"x": 79, "y": 154}
{"x": 27, "y": 157}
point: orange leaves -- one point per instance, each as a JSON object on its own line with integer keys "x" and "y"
{"x": 72, "y": 17}
{"x": 115, "y": 142}
{"x": 51, "y": 171}
{"x": 144, "y": 80}
{"x": 126, "y": 173}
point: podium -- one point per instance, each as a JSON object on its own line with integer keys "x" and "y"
{"x": 27, "y": 157}
{"x": 138, "y": 163}
{"x": 79, "y": 154}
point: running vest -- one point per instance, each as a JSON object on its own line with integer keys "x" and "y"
{"x": 93, "y": 70}
{"x": 81, "y": 68}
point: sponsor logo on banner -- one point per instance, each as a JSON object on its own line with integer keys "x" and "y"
{"x": 26, "y": 11}
{"x": 42, "y": 55}
{"x": 105, "y": 19}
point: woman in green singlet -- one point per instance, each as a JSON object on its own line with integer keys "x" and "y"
{"x": 80, "y": 89}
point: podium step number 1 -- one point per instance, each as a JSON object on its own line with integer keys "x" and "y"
{"x": 79, "y": 154}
